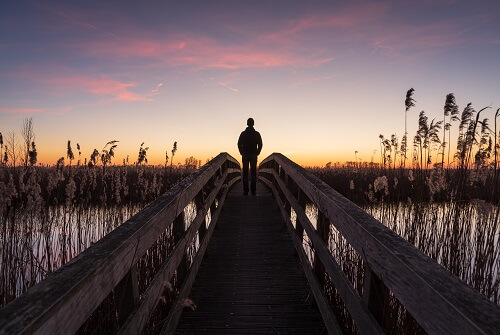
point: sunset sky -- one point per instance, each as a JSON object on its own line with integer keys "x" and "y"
{"x": 322, "y": 79}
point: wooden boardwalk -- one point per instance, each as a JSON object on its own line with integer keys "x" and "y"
{"x": 251, "y": 280}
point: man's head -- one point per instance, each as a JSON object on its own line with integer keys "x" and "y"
{"x": 250, "y": 122}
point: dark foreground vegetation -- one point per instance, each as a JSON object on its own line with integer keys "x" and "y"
{"x": 444, "y": 203}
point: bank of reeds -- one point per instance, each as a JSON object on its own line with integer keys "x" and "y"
{"x": 48, "y": 215}
{"x": 451, "y": 211}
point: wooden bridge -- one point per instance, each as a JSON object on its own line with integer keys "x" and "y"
{"x": 263, "y": 264}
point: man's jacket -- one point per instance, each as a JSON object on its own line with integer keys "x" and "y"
{"x": 250, "y": 142}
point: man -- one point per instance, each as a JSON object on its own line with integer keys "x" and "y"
{"x": 250, "y": 145}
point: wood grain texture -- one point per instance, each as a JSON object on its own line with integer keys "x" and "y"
{"x": 322, "y": 302}
{"x": 139, "y": 317}
{"x": 365, "y": 322}
{"x": 174, "y": 314}
{"x": 439, "y": 301}
{"x": 251, "y": 281}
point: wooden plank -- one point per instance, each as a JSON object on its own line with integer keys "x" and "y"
{"x": 252, "y": 281}
{"x": 176, "y": 309}
{"x": 375, "y": 295}
{"x": 66, "y": 298}
{"x": 139, "y": 317}
{"x": 414, "y": 278}
{"x": 322, "y": 302}
{"x": 127, "y": 295}
{"x": 365, "y": 322}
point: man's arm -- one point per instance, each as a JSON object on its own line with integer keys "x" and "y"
{"x": 240, "y": 143}
{"x": 259, "y": 143}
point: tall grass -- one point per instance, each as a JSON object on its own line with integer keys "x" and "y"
{"x": 450, "y": 212}
{"x": 48, "y": 215}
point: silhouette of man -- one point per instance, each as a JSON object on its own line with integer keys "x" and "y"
{"x": 250, "y": 145}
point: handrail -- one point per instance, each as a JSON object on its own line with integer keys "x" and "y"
{"x": 63, "y": 301}
{"x": 439, "y": 301}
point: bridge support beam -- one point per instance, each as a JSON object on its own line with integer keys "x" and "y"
{"x": 178, "y": 231}
{"x": 375, "y": 295}
{"x": 127, "y": 295}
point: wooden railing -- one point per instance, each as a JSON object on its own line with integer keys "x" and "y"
{"x": 440, "y": 302}
{"x": 63, "y": 301}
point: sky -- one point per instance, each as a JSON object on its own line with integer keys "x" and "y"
{"x": 322, "y": 79}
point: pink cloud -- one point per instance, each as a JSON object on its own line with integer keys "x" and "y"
{"x": 346, "y": 18}
{"x": 202, "y": 52}
{"x": 7, "y": 110}
{"x": 115, "y": 89}
{"x": 417, "y": 40}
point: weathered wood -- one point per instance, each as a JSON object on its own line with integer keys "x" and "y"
{"x": 138, "y": 319}
{"x": 375, "y": 295}
{"x": 65, "y": 299}
{"x": 127, "y": 295}
{"x": 176, "y": 309}
{"x": 178, "y": 234}
{"x": 323, "y": 230}
{"x": 319, "y": 295}
{"x": 365, "y": 322}
{"x": 415, "y": 279}
{"x": 251, "y": 283}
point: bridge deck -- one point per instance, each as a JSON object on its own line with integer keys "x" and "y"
{"x": 251, "y": 280}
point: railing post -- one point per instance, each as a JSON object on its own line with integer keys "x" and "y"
{"x": 127, "y": 295}
{"x": 302, "y": 200}
{"x": 178, "y": 232}
{"x": 199, "y": 200}
{"x": 213, "y": 208}
{"x": 288, "y": 206}
{"x": 375, "y": 295}
{"x": 323, "y": 230}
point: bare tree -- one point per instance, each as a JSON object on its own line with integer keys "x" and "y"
{"x": 1, "y": 148}
{"x": 28, "y": 135}
{"x": 12, "y": 148}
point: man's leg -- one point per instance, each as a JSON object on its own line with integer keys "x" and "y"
{"x": 253, "y": 170}
{"x": 245, "y": 161}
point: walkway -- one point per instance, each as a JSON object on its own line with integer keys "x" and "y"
{"x": 251, "y": 281}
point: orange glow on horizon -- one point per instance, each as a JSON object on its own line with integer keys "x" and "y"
{"x": 50, "y": 158}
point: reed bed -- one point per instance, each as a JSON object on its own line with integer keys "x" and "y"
{"x": 49, "y": 215}
{"x": 446, "y": 204}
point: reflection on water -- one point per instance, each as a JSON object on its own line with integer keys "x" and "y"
{"x": 293, "y": 218}
{"x": 189, "y": 215}
{"x": 460, "y": 236}
{"x": 38, "y": 245}
{"x": 464, "y": 238}
{"x": 312, "y": 214}
{"x": 45, "y": 242}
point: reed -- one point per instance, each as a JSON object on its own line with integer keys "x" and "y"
{"x": 49, "y": 215}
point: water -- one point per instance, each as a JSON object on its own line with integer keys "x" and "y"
{"x": 462, "y": 237}
{"x": 40, "y": 244}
